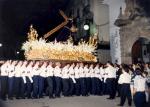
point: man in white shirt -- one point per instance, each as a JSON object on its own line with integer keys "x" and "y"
{"x": 98, "y": 79}
{"x": 43, "y": 73}
{"x": 4, "y": 80}
{"x": 93, "y": 79}
{"x": 65, "y": 80}
{"x": 11, "y": 74}
{"x": 58, "y": 75}
{"x": 125, "y": 80}
{"x": 139, "y": 89}
{"x": 50, "y": 79}
{"x": 110, "y": 80}
{"x": 36, "y": 73}
{"x": 71, "y": 79}
{"x": 23, "y": 79}
{"x": 88, "y": 79}
{"x": 82, "y": 79}
{"x": 18, "y": 73}
{"x": 29, "y": 79}
{"x": 77, "y": 76}
{"x": 104, "y": 85}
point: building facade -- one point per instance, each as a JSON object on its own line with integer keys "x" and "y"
{"x": 128, "y": 34}
{"x": 134, "y": 33}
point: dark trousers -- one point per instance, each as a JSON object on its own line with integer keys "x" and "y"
{"x": 41, "y": 86}
{"x": 50, "y": 83}
{"x": 35, "y": 86}
{"x": 17, "y": 86}
{"x": 98, "y": 86}
{"x": 28, "y": 88}
{"x": 125, "y": 92}
{"x": 93, "y": 91}
{"x": 65, "y": 83}
{"x": 77, "y": 87}
{"x": 104, "y": 88}
{"x": 111, "y": 87}
{"x": 88, "y": 85}
{"x": 83, "y": 86}
{"x": 4, "y": 86}
{"x": 23, "y": 88}
{"x": 10, "y": 87}
{"x": 58, "y": 86}
{"x": 71, "y": 87}
{"x": 139, "y": 99}
{"x": 119, "y": 89}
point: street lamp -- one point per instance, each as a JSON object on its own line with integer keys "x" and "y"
{"x": 18, "y": 52}
{"x": 86, "y": 27}
{"x": 1, "y": 44}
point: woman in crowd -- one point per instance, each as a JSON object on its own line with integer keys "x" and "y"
{"x": 139, "y": 89}
{"x": 118, "y": 73}
{"x": 124, "y": 81}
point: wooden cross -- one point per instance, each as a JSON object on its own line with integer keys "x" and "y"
{"x": 59, "y": 26}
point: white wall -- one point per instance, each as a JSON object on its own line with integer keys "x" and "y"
{"x": 114, "y": 10}
{"x": 101, "y": 19}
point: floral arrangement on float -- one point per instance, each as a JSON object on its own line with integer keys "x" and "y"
{"x": 41, "y": 49}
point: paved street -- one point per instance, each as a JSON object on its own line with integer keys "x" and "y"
{"x": 91, "y": 101}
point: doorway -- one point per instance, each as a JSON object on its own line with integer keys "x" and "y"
{"x": 141, "y": 50}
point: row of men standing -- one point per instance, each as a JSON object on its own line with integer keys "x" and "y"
{"x": 27, "y": 79}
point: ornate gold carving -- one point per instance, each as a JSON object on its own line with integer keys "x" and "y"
{"x": 32, "y": 34}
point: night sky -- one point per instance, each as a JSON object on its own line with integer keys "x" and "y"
{"x": 17, "y": 15}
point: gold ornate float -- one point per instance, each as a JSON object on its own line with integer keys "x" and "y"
{"x": 40, "y": 49}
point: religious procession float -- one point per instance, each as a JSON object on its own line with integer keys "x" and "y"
{"x": 40, "y": 49}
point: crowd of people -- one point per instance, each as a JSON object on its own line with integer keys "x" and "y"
{"x": 36, "y": 79}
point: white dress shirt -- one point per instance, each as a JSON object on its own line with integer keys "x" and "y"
{"x": 110, "y": 72}
{"x": 77, "y": 75}
{"x": 50, "y": 71}
{"x": 11, "y": 71}
{"x": 102, "y": 72}
{"x": 72, "y": 74}
{"x": 97, "y": 73}
{"x": 29, "y": 73}
{"x": 4, "y": 71}
{"x": 18, "y": 71}
{"x": 81, "y": 72}
{"x": 24, "y": 73}
{"x": 86, "y": 70}
{"x": 43, "y": 71}
{"x": 36, "y": 71}
{"x": 92, "y": 73}
{"x": 65, "y": 72}
{"x": 139, "y": 83}
{"x": 57, "y": 71}
{"x": 124, "y": 78}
